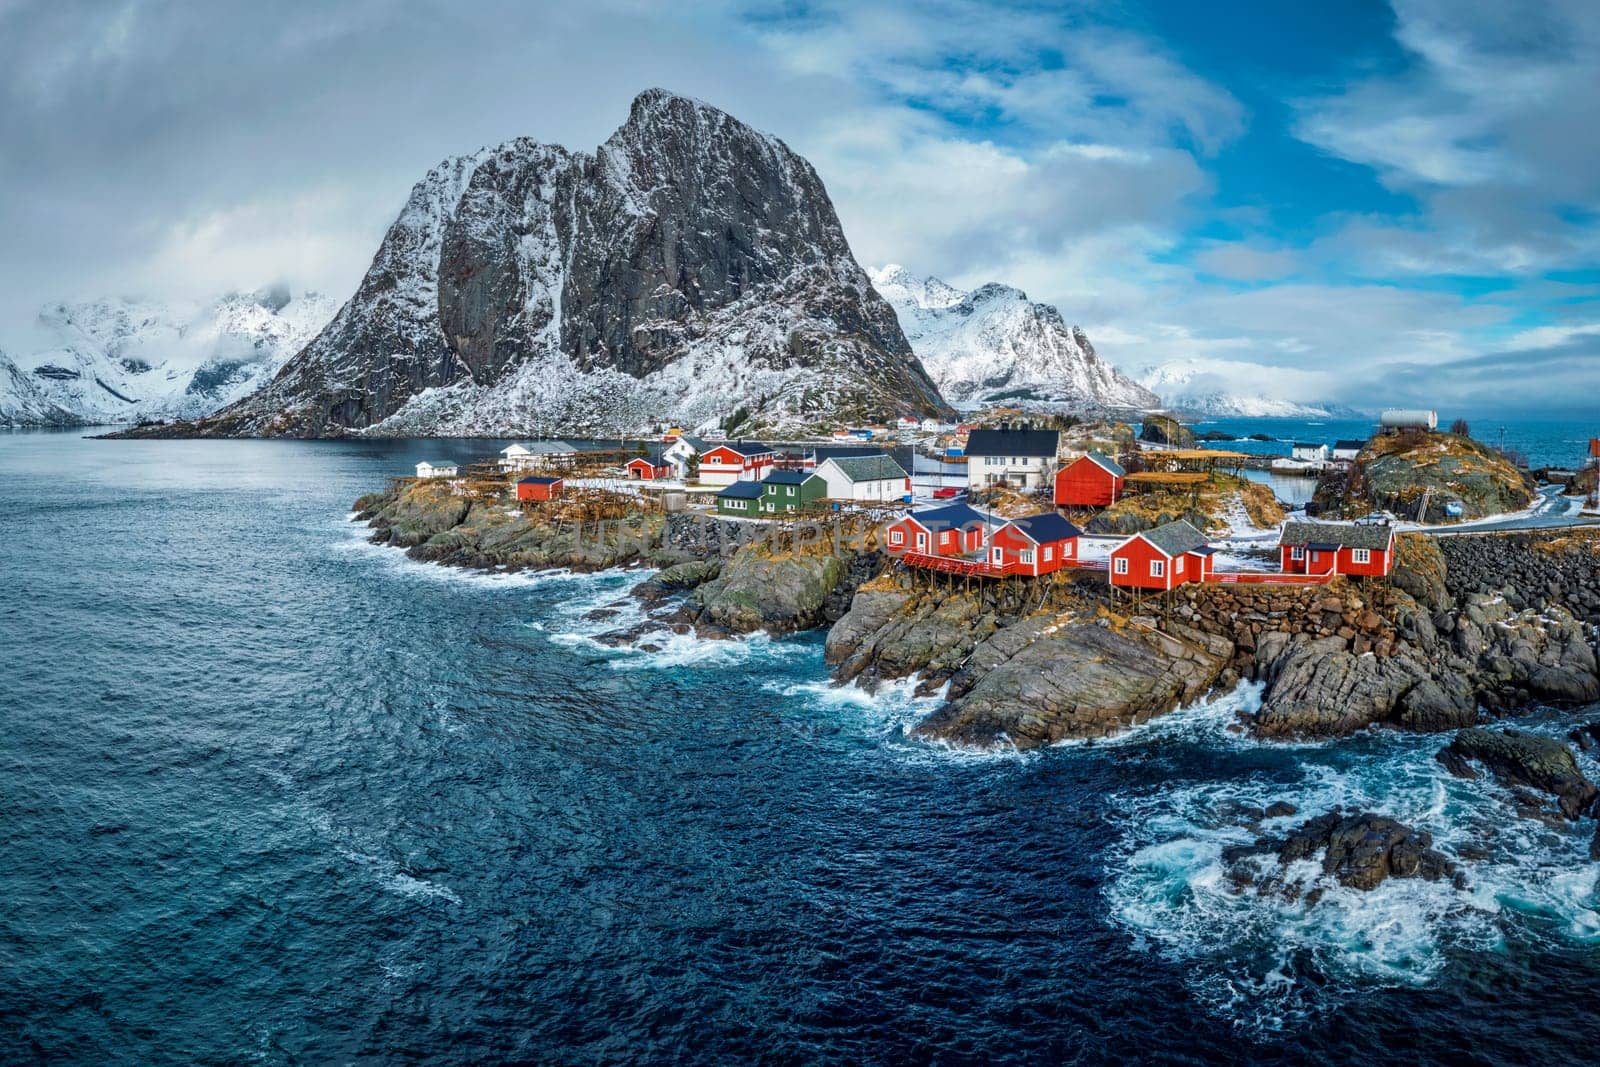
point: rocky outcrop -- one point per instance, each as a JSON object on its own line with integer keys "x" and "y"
{"x": 1358, "y": 850}
{"x": 1515, "y": 758}
{"x": 1534, "y": 570}
{"x": 1166, "y": 430}
{"x": 775, "y": 593}
{"x": 691, "y": 268}
{"x": 1433, "y": 477}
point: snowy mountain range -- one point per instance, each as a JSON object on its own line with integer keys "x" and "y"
{"x": 1215, "y": 389}
{"x": 994, "y": 345}
{"x": 120, "y": 361}
{"x": 690, "y": 269}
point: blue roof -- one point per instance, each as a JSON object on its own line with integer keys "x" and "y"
{"x": 1047, "y": 526}
{"x": 748, "y": 490}
{"x": 788, "y": 477}
{"x": 536, "y": 480}
{"x": 949, "y": 517}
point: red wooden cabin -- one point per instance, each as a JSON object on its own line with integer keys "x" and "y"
{"x": 1038, "y": 544}
{"x": 1336, "y": 548}
{"x": 736, "y": 461}
{"x": 955, "y": 530}
{"x": 1091, "y": 481}
{"x": 646, "y": 469}
{"x": 538, "y": 488}
{"x": 1163, "y": 558}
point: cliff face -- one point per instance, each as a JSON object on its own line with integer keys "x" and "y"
{"x": 690, "y": 269}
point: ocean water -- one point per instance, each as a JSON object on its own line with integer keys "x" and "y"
{"x": 271, "y": 794}
{"x": 1543, "y": 442}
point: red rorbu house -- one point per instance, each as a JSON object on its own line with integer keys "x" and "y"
{"x": 956, "y": 530}
{"x": 538, "y": 488}
{"x": 1038, "y": 544}
{"x": 736, "y": 461}
{"x": 1337, "y": 548}
{"x": 1091, "y": 481}
{"x": 646, "y": 469}
{"x": 1163, "y": 558}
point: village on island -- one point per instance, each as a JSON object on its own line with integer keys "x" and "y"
{"x": 1005, "y": 498}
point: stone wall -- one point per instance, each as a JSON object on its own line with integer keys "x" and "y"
{"x": 1538, "y": 570}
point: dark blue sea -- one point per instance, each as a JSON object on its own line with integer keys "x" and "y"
{"x": 270, "y": 794}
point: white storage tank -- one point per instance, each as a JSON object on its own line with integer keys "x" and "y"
{"x": 1402, "y": 419}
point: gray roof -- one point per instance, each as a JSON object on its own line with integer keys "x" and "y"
{"x": 549, "y": 448}
{"x": 868, "y": 468}
{"x": 439, "y": 462}
{"x": 1349, "y": 446}
{"x": 1175, "y": 538}
{"x": 744, "y": 448}
{"x": 1111, "y": 465}
{"x": 1345, "y": 535}
{"x": 1031, "y": 443}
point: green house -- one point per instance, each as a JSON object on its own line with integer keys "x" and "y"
{"x": 740, "y": 498}
{"x": 783, "y": 491}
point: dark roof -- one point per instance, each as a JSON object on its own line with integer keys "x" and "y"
{"x": 827, "y": 452}
{"x": 748, "y": 490}
{"x": 788, "y": 477}
{"x": 1175, "y": 538}
{"x": 867, "y": 468}
{"x": 949, "y": 517}
{"x": 1344, "y": 535}
{"x": 1306, "y": 444}
{"x": 1013, "y": 443}
{"x": 537, "y": 481}
{"x": 744, "y": 448}
{"x": 653, "y": 458}
{"x": 1353, "y": 446}
{"x": 1047, "y": 526}
{"x": 1111, "y": 465}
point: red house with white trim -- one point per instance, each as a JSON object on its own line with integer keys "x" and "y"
{"x": 647, "y": 470}
{"x": 1091, "y": 481}
{"x": 1038, "y": 544}
{"x": 538, "y": 488}
{"x": 736, "y": 461}
{"x": 1161, "y": 559}
{"x": 956, "y": 530}
{"x": 1337, "y": 548}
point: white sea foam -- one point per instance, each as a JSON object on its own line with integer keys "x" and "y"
{"x": 1267, "y": 960}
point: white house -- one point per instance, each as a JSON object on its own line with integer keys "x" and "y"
{"x": 1024, "y": 458}
{"x": 436, "y": 470}
{"x": 907, "y": 424}
{"x": 1346, "y": 451}
{"x": 1308, "y": 453}
{"x": 875, "y": 479}
{"x": 681, "y": 453}
{"x": 934, "y": 426}
{"x": 526, "y": 455}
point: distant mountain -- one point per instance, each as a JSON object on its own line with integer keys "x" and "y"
{"x": 1209, "y": 388}
{"x": 691, "y": 269}
{"x": 993, "y": 345}
{"x": 119, "y": 361}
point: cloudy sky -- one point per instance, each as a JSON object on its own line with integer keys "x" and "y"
{"x": 1379, "y": 202}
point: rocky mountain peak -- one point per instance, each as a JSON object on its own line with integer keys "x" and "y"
{"x": 692, "y": 268}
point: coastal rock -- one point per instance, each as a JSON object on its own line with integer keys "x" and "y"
{"x": 678, "y": 579}
{"x": 1078, "y": 679}
{"x": 1360, "y": 851}
{"x": 1515, "y": 758}
{"x": 1165, "y": 430}
{"x": 776, "y": 593}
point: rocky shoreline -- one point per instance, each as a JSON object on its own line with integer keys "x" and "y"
{"x": 1468, "y": 631}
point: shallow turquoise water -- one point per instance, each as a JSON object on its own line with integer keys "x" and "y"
{"x": 270, "y": 793}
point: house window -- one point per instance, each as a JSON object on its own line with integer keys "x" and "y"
{"x": 791, "y": 490}
{"x": 1360, "y": 555}
{"x": 1119, "y": 565}
{"x": 1297, "y": 552}
{"x": 1158, "y": 568}
{"x": 922, "y": 541}
{"x": 1049, "y": 553}
{"x": 896, "y": 537}
{"x": 998, "y": 555}
{"x": 1177, "y": 568}
{"x": 1027, "y": 555}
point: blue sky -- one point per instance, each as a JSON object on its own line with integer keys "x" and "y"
{"x": 1361, "y": 202}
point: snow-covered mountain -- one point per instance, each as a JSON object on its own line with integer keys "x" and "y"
{"x": 690, "y": 269}
{"x": 994, "y": 345}
{"x": 1216, "y": 389}
{"x": 120, "y": 361}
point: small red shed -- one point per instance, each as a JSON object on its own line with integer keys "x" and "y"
{"x": 1365, "y": 550}
{"x": 647, "y": 470}
{"x": 955, "y": 530}
{"x": 1163, "y": 558}
{"x": 1038, "y": 544}
{"x": 1091, "y": 481}
{"x": 538, "y": 488}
